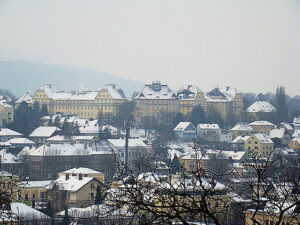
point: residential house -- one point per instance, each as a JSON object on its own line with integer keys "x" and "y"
{"x": 185, "y": 131}
{"x": 262, "y": 126}
{"x": 259, "y": 107}
{"x": 25, "y": 98}
{"x": 238, "y": 143}
{"x": 74, "y": 191}
{"x": 209, "y": 132}
{"x": 137, "y": 149}
{"x": 85, "y": 172}
{"x": 296, "y": 123}
{"x": 34, "y": 191}
{"x": 241, "y": 129}
{"x": 11, "y": 163}
{"x": 7, "y": 134}
{"x": 17, "y": 143}
{"x": 6, "y": 112}
{"x": 295, "y": 143}
{"x": 287, "y": 127}
{"x": 280, "y": 137}
{"x": 40, "y": 134}
{"x": 259, "y": 143}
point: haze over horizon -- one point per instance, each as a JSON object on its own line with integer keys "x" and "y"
{"x": 251, "y": 45}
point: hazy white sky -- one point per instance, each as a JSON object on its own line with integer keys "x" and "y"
{"x": 253, "y": 45}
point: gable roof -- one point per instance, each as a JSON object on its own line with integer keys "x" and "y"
{"x": 9, "y": 132}
{"x": 263, "y": 138}
{"x": 44, "y": 131}
{"x": 82, "y": 170}
{"x": 261, "y": 123}
{"x": 25, "y": 98}
{"x": 242, "y": 127}
{"x": 277, "y": 133}
{"x": 261, "y": 106}
{"x": 183, "y": 126}
{"x": 73, "y": 184}
{"x": 208, "y": 126}
{"x": 161, "y": 92}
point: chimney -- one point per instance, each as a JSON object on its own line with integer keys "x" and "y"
{"x": 80, "y": 176}
{"x": 67, "y": 176}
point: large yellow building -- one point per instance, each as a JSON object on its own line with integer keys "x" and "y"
{"x": 157, "y": 97}
{"x": 226, "y": 101}
{"x": 190, "y": 97}
{"x": 86, "y": 104}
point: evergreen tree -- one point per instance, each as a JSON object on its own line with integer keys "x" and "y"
{"x": 56, "y": 121}
{"x": 66, "y": 128}
{"x": 177, "y": 119}
{"x": 280, "y": 104}
{"x": 197, "y": 115}
{"x": 49, "y": 210}
{"x": 175, "y": 165}
{"x": 44, "y": 110}
{"x": 66, "y": 219}
{"x": 98, "y": 198}
{"x": 213, "y": 116}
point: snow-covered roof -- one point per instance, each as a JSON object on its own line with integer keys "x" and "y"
{"x": 296, "y": 133}
{"x": 240, "y": 139}
{"x": 82, "y": 138}
{"x": 208, "y": 126}
{"x": 115, "y": 91}
{"x": 72, "y": 184}
{"x": 5, "y": 104}
{"x": 7, "y": 157}
{"x": 20, "y": 141}
{"x": 61, "y": 149}
{"x": 44, "y": 131}
{"x": 296, "y": 120}
{"x": 277, "y": 133}
{"x": 27, "y": 212}
{"x": 93, "y": 211}
{"x": 261, "y": 106}
{"x": 57, "y": 138}
{"x": 90, "y": 127}
{"x": 9, "y": 132}
{"x": 296, "y": 139}
{"x": 81, "y": 170}
{"x": 156, "y": 90}
{"x": 120, "y": 143}
{"x": 263, "y": 138}
{"x": 261, "y": 123}
{"x": 36, "y": 184}
{"x": 51, "y": 91}
{"x": 235, "y": 155}
{"x": 183, "y": 125}
{"x": 287, "y": 126}
{"x": 188, "y": 92}
{"x": 241, "y": 127}
{"x": 25, "y": 98}
{"x": 221, "y": 95}
{"x": 26, "y": 151}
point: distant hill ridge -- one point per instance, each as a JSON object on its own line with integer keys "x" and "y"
{"x": 25, "y": 76}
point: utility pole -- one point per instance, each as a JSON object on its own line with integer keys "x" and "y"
{"x": 127, "y": 127}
